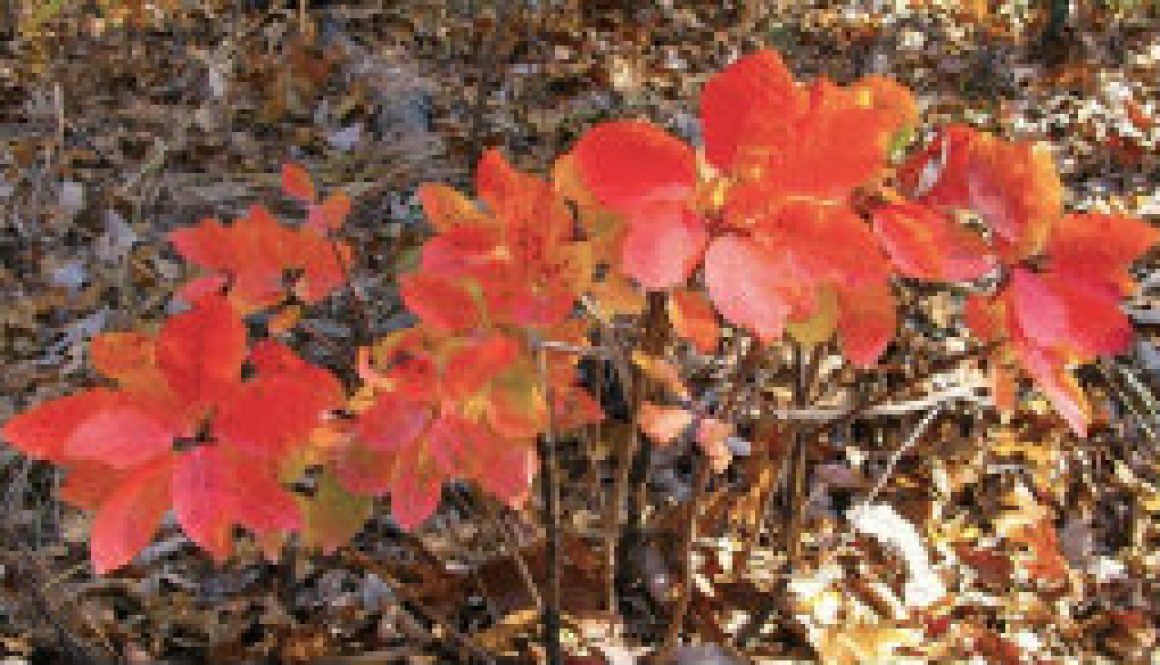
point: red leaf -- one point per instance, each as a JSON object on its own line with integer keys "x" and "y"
{"x": 296, "y": 182}
{"x": 260, "y": 503}
{"x": 87, "y": 484}
{"x": 441, "y": 303}
{"x": 867, "y": 321}
{"x": 738, "y": 103}
{"x": 986, "y": 317}
{"x": 200, "y": 287}
{"x": 201, "y": 351}
{"x": 42, "y": 431}
{"x": 468, "y": 369}
{"x": 663, "y": 246}
{"x": 1048, "y": 371}
{"x": 203, "y": 492}
{"x": 693, "y": 317}
{"x": 1056, "y": 312}
{"x": 463, "y": 251}
{"x": 1099, "y": 248}
{"x": 497, "y": 182}
{"x": 630, "y": 164}
{"x": 330, "y": 214}
{"x": 128, "y": 518}
{"x": 507, "y": 469}
{"x": 393, "y": 422}
{"x": 274, "y": 415}
{"x": 414, "y": 494}
{"x": 927, "y": 245}
{"x": 120, "y": 437}
{"x": 455, "y": 443}
{"x": 752, "y": 288}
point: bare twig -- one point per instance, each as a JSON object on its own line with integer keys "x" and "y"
{"x": 550, "y": 482}
{"x": 915, "y": 435}
{"x": 968, "y": 393}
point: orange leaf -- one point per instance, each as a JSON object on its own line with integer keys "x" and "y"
{"x": 663, "y": 372}
{"x": 447, "y": 209}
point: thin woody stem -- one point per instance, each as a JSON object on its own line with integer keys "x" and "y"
{"x": 550, "y": 483}
{"x": 745, "y": 366}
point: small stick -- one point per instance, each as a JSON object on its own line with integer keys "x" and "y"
{"x": 915, "y": 435}
{"x": 550, "y": 482}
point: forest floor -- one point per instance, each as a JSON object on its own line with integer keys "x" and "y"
{"x": 115, "y": 129}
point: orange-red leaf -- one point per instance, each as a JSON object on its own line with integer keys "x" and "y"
{"x": 414, "y": 493}
{"x": 693, "y": 317}
{"x": 1050, "y": 374}
{"x": 393, "y": 422}
{"x": 42, "y": 431}
{"x": 296, "y": 182}
{"x": 469, "y": 368}
{"x": 925, "y": 244}
{"x": 986, "y": 317}
{"x": 630, "y": 164}
{"x": 88, "y": 484}
{"x": 739, "y": 103}
{"x": 275, "y": 414}
{"x": 1057, "y": 312}
{"x": 447, "y": 208}
{"x": 127, "y": 358}
{"x": 442, "y": 303}
{"x": 497, "y": 182}
{"x": 867, "y": 321}
{"x": 1099, "y": 248}
{"x": 330, "y": 214}
{"x": 201, "y": 351}
{"x": 120, "y": 437}
{"x": 128, "y": 518}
